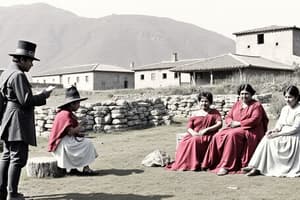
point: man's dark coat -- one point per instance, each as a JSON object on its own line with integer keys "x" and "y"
{"x": 18, "y": 120}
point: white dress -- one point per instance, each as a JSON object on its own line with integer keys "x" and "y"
{"x": 280, "y": 156}
{"x": 74, "y": 153}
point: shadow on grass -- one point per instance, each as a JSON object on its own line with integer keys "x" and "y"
{"x": 96, "y": 196}
{"x": 119, "y": 172}
{"x": 105, "y": 172}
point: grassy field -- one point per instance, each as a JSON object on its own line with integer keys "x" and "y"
{"x": 122, "y": 177}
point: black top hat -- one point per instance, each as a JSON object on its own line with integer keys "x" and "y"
{"x": 72, "y": 95}
{"x": 26, "y": 49}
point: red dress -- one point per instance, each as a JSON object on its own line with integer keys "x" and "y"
{"x": 191, "y": 149}
{"x": 232, "y": 148}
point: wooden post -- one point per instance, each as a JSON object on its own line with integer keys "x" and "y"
{"x": 194, "y": 79}
{"x": 241, "y": 75}
{"x": 179, "y": 77}
{"x": 41, "y": 167}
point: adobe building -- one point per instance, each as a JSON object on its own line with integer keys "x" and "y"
{"x": 88, "y": 77}
{"x": 269, "y": 53}
{"x": 278, "y": 43}
{"x": 158, "y": 75}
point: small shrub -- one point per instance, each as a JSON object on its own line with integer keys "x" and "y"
{"x": 218, "y": 90}
{"x": 109, "y": 96}
{"x": 276, "y": 104}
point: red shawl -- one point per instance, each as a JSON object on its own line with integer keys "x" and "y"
{"x": 63, "y": 119}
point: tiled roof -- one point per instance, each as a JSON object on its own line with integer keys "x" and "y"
{"x": 232, "y": 61}
{"x": 165, "y": 64}
{"x": 261, "y": 62}
{"x": 267, "y": 29}
{"x": 81, "y": 69}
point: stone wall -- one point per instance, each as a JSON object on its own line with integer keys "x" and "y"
{"x": 184, "y": 106}
{"x": 110, "y": 116}
{"x": 120, "y": 115}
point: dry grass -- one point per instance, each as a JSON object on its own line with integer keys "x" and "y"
{"x": 57, "y": 96}
{"x": 122, "y": 177}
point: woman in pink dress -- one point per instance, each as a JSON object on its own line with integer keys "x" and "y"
{"x": 232, "y": 147}
{"x": 201, "y": 127}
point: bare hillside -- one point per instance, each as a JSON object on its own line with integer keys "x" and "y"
{"x": 66, "y": 39}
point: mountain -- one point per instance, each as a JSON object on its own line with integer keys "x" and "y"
{"x": 64, "y": 38}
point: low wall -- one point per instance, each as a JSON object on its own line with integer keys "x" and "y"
{"x": 120, "y": 115}
{"x": 110, "y": 116}
{"x": 180, "y": 105}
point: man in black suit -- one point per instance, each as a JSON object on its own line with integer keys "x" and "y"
{"x": 17, "y": 125}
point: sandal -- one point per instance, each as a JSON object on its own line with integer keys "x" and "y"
{"x": 74, "y": 172}
{"x": 253, "y": 172}
{"x": 247, "y": 169}
{"x": 89, "y": 172}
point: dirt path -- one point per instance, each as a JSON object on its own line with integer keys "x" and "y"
{"x": 122, "y": 176}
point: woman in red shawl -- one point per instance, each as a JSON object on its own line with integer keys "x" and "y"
{"x": 232, "y": 147}
{"x": 201, "y": 127}
{"x": 71, "y": 150}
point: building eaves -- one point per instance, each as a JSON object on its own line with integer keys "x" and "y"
{"x": 221, "y": 62}
{"x": 164, "y": 65}
{"x": 261, "y": 62}
{"x": 111, "y": 68}
{"x": 82, "y": 69}
{"x": 232, "y": 61}
{"x": 272, "y": 28}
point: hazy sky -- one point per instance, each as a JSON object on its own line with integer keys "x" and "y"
{"x": 222, "y": 16}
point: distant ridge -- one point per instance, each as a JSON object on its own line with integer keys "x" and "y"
{"x": 64, "y": 38}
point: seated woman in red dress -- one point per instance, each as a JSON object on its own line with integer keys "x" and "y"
{"x": 232, "y": 147}
{"x": 201, "y": 127}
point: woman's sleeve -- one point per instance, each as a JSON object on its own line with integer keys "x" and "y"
{"x": 255, "y": 117}
{"x": 290, "y": 130}
{"x": 229, "y": 116}
{"x": 218, "y": 116}
{"x": 61, "y": 122}
{"x": 190, "y": 123}
{"x": 282, "y": 115}
{"x": 24, "y": 94}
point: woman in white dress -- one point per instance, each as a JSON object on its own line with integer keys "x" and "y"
{"x": 278, "y": 153}
{"x": 71, "y": 150}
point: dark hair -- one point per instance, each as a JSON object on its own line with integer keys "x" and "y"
{"x": 207, "y": 95}
{"x": 246, "y": 87}
{"x": 17, "y": 59}
{"x": 292, "y": 90}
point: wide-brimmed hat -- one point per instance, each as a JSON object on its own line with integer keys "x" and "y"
{"x": 26, "y": 49}
{"x": 72, "y": 95}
